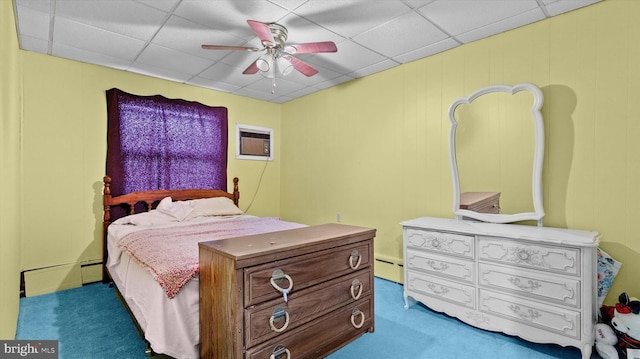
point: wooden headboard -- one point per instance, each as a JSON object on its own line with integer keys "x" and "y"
{"x": 150, "y": 199}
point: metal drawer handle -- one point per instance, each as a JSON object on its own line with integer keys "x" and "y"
{"x": 357, "y": 313}
{"x": 355, "y": 254}
{"x": 277, "y": 315}
{"x": 530, "y": 286}
{"x": 279, "y": 351}
{"x": 356, "y": 284}
{"x": 277, "y": 277}
{"x": 439, "y": 291}
{"x": 528, "y": 314}
{"x": 441, "y": 267}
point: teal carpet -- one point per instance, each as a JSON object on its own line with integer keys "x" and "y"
{"x": 90, "y": 322}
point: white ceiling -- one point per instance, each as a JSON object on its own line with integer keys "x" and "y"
{"x": 162, "y": 38}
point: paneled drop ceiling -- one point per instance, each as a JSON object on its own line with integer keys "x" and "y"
{"x": 162, "y": 38}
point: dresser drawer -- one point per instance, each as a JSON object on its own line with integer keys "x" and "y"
{"x": 440, "y": 288}
{"x": 264, "y": 282}
{"x": 564, "y": 260}
{"x": 319, "y": 337}
{"x": 546, "y": 317}
{"x": 276, "y": 317}
{"x": 559, "y": 289}
{"x": 448, "y": 243}
{"x": 443, "y": 265}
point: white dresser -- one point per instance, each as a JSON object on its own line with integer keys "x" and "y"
{"x": 538, "y": 283}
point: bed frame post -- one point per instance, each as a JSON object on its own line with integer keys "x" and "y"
{"x": 106, "y": 219}
{"x": 236, "y": 192}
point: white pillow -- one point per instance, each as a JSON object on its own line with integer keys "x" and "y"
{"x": 179, "y": 209}
{"x": 216, "y": 206}
{"x": 150, "y": 218}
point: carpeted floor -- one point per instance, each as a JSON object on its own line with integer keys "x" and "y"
{"x": 90, "y": 322}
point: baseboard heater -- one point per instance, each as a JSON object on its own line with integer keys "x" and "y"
{"x": 389, "y": 268}
{"x": 389, "y": 262}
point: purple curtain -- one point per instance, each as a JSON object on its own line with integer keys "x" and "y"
{"x": 158, "y": 143}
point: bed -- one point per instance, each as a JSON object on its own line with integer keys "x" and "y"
{"x": 164, "y": 303}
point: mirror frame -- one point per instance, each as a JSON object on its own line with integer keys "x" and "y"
{"x": 536, "y": 180}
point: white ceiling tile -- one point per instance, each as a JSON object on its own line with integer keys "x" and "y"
{"x": 173, "y": 60}
{"x": 301, "y": 30}
{"x": 372, "y": 69}
{"x": 230, "y": 16}
{"x": 401, "y": 35}
{"x": 227, "y": 73}
{"x": 159, "y": 72}
{"x": 414, "y": 4}
{"x": 502, "y": 26}
{"x": 214, "y": 85}
{"x": 557, "y": 7}
{"x": 127, "y": 18}
{"x": 257, "y": 94}
{"x": 302, "y": 92}
{"x": 164, "y": 5}
{"x": 33, "y": 23}
{"x": 461, "y": 16}
{"x": 73, "y": 53}
{"x": 282, "y": 88}
{"x": 177, "y": 30}
{"x": 350, "y": 57}
{"x": 29, "y": 43}
{"x": 288, "y": 4}
{"x": 92, "y": 39}
{"x": 282, "y": 99}
{"x": 333, "y": 82}
{"x": 350, "y": 18}
{"x": 40, "y": 5}
{"x": 429, "y": 50}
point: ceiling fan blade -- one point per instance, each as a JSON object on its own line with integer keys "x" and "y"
{"x": 311, "y": 47}
{"x": 262, "y": 30}
{"x": 224, "y": 47}
{"x": 252, "y": 69}
{"x": 303, "y": 67}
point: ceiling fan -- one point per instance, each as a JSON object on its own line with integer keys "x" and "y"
{"x": 279, "y": 55}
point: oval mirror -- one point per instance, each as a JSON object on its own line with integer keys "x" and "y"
{"x": 496, "y": 148}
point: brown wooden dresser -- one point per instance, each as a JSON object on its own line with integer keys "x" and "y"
{"x": 300, "y": 293}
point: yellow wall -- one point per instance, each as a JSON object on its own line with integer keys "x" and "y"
{"x": 375, "y": 149}
{"x": 64, "y": 146}
{"x": 10, "y": 205}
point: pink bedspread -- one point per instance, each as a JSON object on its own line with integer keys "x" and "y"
{"x": 171, "y": 254}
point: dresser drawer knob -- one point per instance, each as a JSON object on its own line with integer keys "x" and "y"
{"x": 276, "y": 317}
{"x": 355, "y": 256}
{"x": 357, "y": 314}
{"x": 280, "y": 352}
{"x": 277, "y": 277}
{"x": 356, "y": 286}
{"x": 523, "y": 255}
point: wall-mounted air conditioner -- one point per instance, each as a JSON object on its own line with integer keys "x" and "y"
{"x": 254, "y": 143}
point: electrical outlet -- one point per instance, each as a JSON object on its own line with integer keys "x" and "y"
{"x": 338, "y": 217}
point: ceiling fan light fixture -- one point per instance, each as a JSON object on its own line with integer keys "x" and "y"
{"x": 264, "y": 63}
{"x": 284, "y": 65}
{"x": 290, "y": 49}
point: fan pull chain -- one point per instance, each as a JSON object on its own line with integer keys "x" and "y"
{"x": 273, "y": 80}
